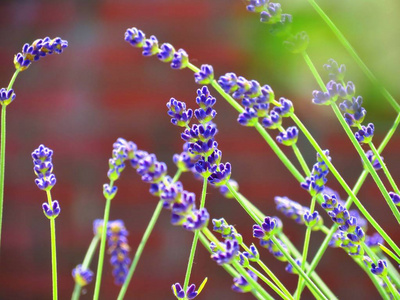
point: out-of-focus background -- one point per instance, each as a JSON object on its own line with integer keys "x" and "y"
{"x": 78, "y": 103}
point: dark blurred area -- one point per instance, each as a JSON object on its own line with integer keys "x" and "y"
{"x": 78, "y": 103}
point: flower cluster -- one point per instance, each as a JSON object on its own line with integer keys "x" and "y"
{"x": 43, "y": 168}
{"x": 315, "y": 184}
{"x": 118, "y": 247}
{"x": 201, "y": 153}
{"x": 241, "y": 285}
{"x": 300, "y": 214}
{"x": 375, "y": 162}
{"x": 350, "y": 235}
{"x": 38, "y": 49}
{"x": 179, "y": 293}
{"x": 226, "y": 252}
{"x": 257, "y": 100}
{"x": 178, "y": 59}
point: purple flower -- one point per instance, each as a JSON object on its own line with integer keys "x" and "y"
{"x": 292, "y": 270}
{"x": 220, "y": 175}
{"x": 365, "y": 134}
{"x": 226, "y": 192}
{"x": 205, "y": 75}
{"x": 354, "y": 112}
{"x": 249, "y": 117}
{"x": 135, "y": 37}
{"x": 272, "y": 14}
{"x": 312, "y": 219}
{"x": 335, "y": 71}
{"x": 6, "y": 96}
{"x": 52, "y": 212}
{"x": 177, "y": 110}
{"x": 395, "y": 197}
{"x": 379, "y": 269}
{"x": 267, "y": 229}
{"x": 330, "y": 202}
{"x": 273, "y": 121}
{"x": 358, "y": 236}
{"x": 190, "y": 293}
{"x": 229, "y": 252}
{"x": 256, "y": 5}
{"x": 339, "y": 214}
{"x": 348, "y": 91}
{"x": 375, "y": 163}
{"x": 228, "y": 82}
{"x": 166, "y": 52}
{"x": 199, "y": 132}
{"x": 253, "y": 255}
{"x": 315, "y": 183}
{"x": 82, "y": 276}
{"x": 291, "y": 209}
{"x": 43, "y": 168}
{"x": 241, "y": 285}
{"x": 180, "y": 60}
{"x": 198, "y": 219}
{"x": 288, "y": 137}
{"x": 150, "y": 46}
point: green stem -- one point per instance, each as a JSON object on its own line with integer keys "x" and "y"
{"x": 270, "y": 274}
{"x": 374, "y": 280}
{"x": 355, "y": 56}
{"x": 367, "y": 162}
{"x": 2, "y": 162}
{"x": 384, "y": 167}
{"x": 269, "y": 283}
{"x": 85, "y": 265}
{"x": 301, "y": 160}
{"x": 250, "y": 280}
{"x": 195, "y": 239}
{"x": 102, "y": 246}
{"x": 53, "y": 249}
{"x": 3, "y": 150}
{"x": 313, "y": 288}
{"x": 140, "y": 249}
{"x": 305, "y": 248}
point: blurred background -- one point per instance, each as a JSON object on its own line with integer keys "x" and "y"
{"x": 78, "y": 103}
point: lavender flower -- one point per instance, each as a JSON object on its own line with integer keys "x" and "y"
{"x": 135, "y": 37}
{"x": 220, "y": 175}
{"x": 166, "y": 52}
{"x": 375, "y": 163}
{"x": 267, "y": 229}
{"x": 82, "y": 276}
{"x": 6, "y": 96}
{"x": 53, "y": 211}
{"x": 118, "y": 248}
{"x": 240, "y": 283}
{"x": 272, "y": 14}
{"x": 177, "y": 110}
{"x": 292, "y": 270}
{"x": 354, "y": 112}
{"x": 288, "y": 137}
{"x": 180, "y": 60}
{"x": 190, "y": 293}
{"x": 43, "y": 168}
{"x": 273, "y": 249}
{"x": 205, "y": 75}
{"x": 335, "y": 71}
{"x": 365, "y": 134}
{"x": 379, "y": 269}
{"x": 197, "y": 220}
{"x": 227, "y": 254}
{"x": 273, "y": 121}
{"x": 315, "y": 184}
{"x": 256, "y": 5}
{"x": 38, "y": 49}
{"x": 395, "y": 198}
{"x": 228, "y": 82}
{"x": 226, "y": 192}
{"x": 150, "y": 46}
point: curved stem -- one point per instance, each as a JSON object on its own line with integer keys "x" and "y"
{"x": 355, "y": 56}
{"x": 85, "y": 265}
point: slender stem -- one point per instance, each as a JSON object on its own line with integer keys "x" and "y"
{"x": 53, "y": 249}
{"x": 355, "y": 56}
{"x": 389, "y": 134}
{"x": 384, "y": 167}
{"x": 305, "y": 248}
{"x": 301, "y": 160}
{"x": 85, "y": 265}
{"x": 195, "y": 239}
{"x": 367, "y": 162}
{"x": 3, "y": 149}
{"x": 140, "y": 249}
{"x": 250, "y": 280}
{"x": 270, "y": 274}
{"x": 269, "y": 283}
{"x": 2, "y": 162}
{"x": 102, "y": 247}
{"x": 313, "y": 288}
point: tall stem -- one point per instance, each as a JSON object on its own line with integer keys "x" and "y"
{"x": 53, "y": 249}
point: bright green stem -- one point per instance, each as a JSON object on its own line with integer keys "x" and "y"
{"x": 2, "y": 162}
{"x": 384, "y": 168}
{"x": 313, "y": 288}
{"x": 301, "y": 160}
{"x": 3, "y": 150}
{"x": 250, "y": 280}
{"x": 367, "y": 162}
{"x": 345, "y": 186}
{"x": 389, "y": 134}
{"x": 85, "y": 265}
{"x": 195, "y": 239}
{"x": 305, "y": 248}
{"x": 269, "y": 283}
{"x": 53, "y": 249}
{"x": 355, "y": 56}
{"x": 140, "y": 249}
{"x": 269, "y": 273}
{"x": 102, "y": 246}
